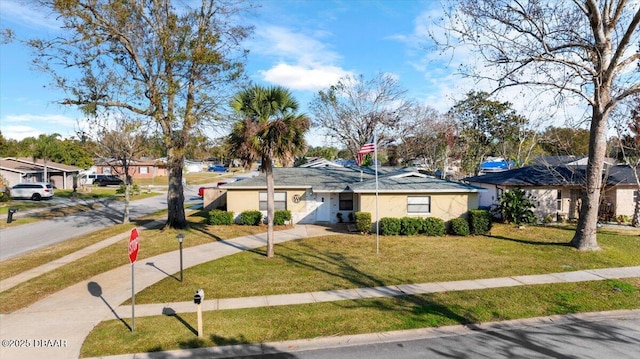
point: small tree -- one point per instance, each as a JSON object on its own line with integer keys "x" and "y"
{"x": 515, "y": 207}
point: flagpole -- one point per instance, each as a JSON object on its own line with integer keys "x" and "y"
{"x": 375, "y": 163}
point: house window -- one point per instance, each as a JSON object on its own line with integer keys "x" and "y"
{"x": 419, "y": 205}
{"x": 346, "y": 201}
{"x": 280, "y": 199}
{"x": 559, "y": 200}
{"x": 144, "y": 170}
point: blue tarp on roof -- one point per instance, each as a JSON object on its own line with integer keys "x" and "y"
{"x": 495, "y": 165}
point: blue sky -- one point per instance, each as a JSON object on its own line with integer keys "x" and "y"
{"x": 303, "y": 45}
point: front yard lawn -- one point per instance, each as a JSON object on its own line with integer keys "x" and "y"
{"x": 350, "y": 261}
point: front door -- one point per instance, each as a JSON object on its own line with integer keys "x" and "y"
{"x": 324, "y": 209}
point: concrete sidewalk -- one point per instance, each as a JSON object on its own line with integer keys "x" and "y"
{"x": 65, "y": 318}
{"x": 377, "y": 292}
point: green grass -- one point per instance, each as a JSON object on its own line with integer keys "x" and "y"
{"x": 270, "y": 324}
{"x": 152, "y": 242}
{"x": 23, "y": 205}
{"x": 50, "y": 213}
{"x": 350, "y": 261}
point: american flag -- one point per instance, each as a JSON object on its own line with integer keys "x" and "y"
{"x": 366, "y": 148}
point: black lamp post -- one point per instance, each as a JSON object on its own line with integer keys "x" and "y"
{"x": 180, "y": 237}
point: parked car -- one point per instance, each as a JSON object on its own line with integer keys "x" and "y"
{"x": 88, "y": 178}
{"x": 108, "y": 180}
{"x": 35, "y": 191}
{"x": 218, "y": 168}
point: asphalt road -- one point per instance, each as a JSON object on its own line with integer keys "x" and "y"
{"x": 22, "y": 239}
{"x": 565, "y": 337}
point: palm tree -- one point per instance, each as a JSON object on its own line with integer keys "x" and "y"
{"x": 270, "y": 129}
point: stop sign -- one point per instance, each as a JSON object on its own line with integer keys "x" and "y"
{"x": 133, "y": 245}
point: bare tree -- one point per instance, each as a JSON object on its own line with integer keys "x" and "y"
{"x": 120, "y": 142}
{"x": 584, "y": 49}
{"x": 353, "y": 109}
{"x": 167, "y": 61}
{"x": 429, "y": 138}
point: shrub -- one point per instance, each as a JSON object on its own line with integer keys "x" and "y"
{"x": 623, "y": 218}
{"x": 280, "y": 217}
{"x": 389, "y": 226}
{"x": 363, "y": 222}
{"x": 5, "y": 191}
{"x": 220, "y": 218}
{"x": 410, "y": 226}
{"x": 459, "y": 227}
{"x": 135, "y": 189}
{"x": 250, "y": 218}
{"x": 515, "y": 207}
{"x": 433, "y": 226}
{"x": 480, "y": 221}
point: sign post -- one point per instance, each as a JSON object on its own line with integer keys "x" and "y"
{"x": 133, "y": 255}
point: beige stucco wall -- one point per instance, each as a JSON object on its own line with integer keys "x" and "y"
{"x": 13, "y": 178}
{"x": 625, "y": 204}
{"x": 239, "y": 200}
{"x": 242, "y": 200}
{"x": 443, "y": 205}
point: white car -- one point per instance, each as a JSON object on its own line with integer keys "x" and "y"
{"x": 35, "y": 191}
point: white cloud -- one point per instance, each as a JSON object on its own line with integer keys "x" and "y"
{"x": 30, "y": 16}
{"x": 298, "y": 77}
{"x": 302, "y": 62}
{"x": 20, "y": 132}
{"x": 58, "y": 120}
{"x": 18, "y": 127}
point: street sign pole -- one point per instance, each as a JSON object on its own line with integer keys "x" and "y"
{"x": 133, "y": 299}
{"x": 133, "y": 255}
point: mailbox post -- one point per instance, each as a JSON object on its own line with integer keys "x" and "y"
{"x": 10, "y": 213}
{"x": 180, "y": 238}
{"x": 197, "y": 300}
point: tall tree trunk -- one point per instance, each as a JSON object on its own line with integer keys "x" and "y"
{"x": 127, "y": 195}
{"x": 267, "y": 167}
{"x": 585, "y": 236}
{"x": 175, "y": 195}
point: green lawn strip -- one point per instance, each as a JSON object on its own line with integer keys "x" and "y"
{"x": 45, "y": 210}
{"x": 269, "y": 324}
{"x": 350, "y": 261}
{"x": 24, "y": 205}
{"x": 16, "y": 265}
{"x": 152, "y": 242}
{"x": 50, "y": 213}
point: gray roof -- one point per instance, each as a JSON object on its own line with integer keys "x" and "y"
{"x": 359, "y": 180}
{"x": 552, "y": 176}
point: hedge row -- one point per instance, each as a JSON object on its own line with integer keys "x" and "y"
{"x": 410, "y": 226}
{"x": 247, "y": 218}
{"x": 479, "y": 222}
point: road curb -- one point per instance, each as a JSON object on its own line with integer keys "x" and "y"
{"x": 292, "y": 346}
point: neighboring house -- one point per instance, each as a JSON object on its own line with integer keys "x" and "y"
{"x": 568, "y": 160}
{"x": 193, "y": 166}
{"x": 317, "y": 195}
{"x": 137, "y": 168}
{"x": 23, "y": 170}
{"x": 557, "y": 190}
{"x": 320, "y": 162}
